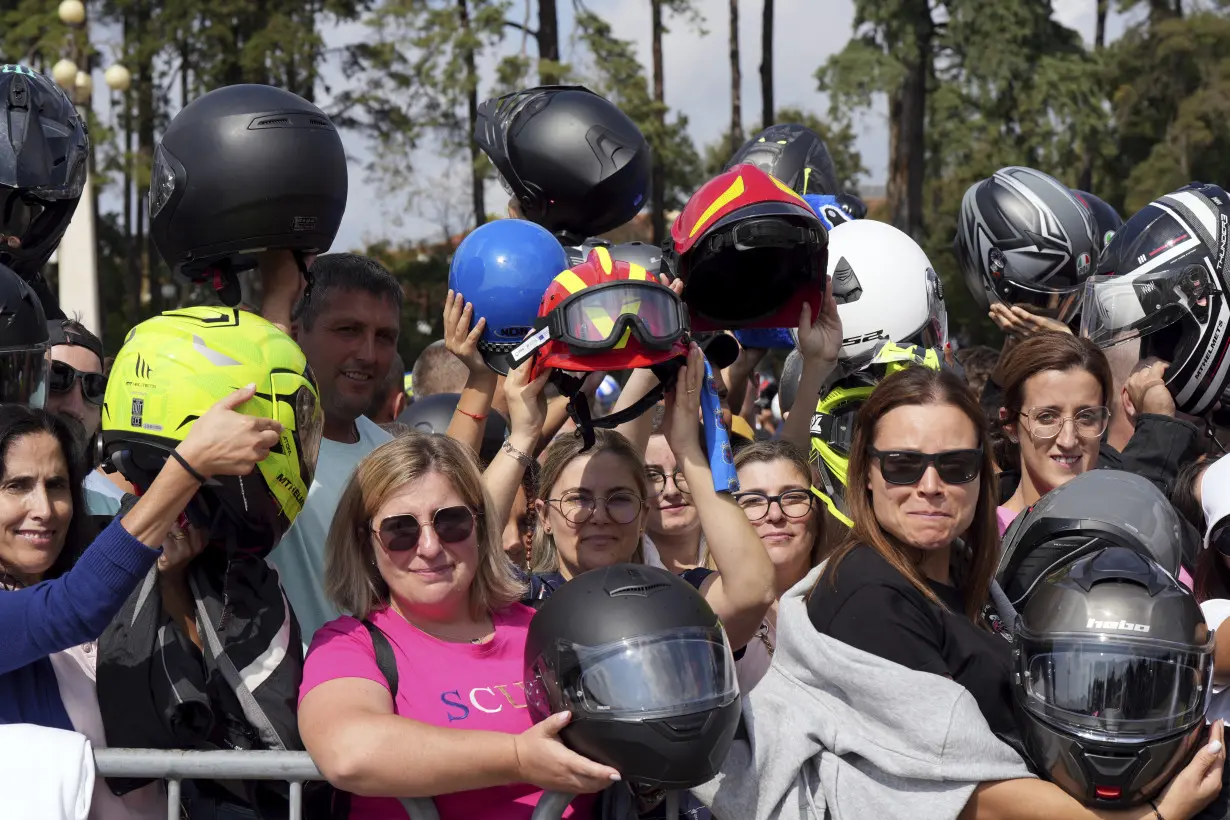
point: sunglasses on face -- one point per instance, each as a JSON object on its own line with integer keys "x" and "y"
{"x": 1220, "y": 540}
{"x": 909, "y": 466}
{"x": 400, "y": 533}
{"x": 93, "y": 385}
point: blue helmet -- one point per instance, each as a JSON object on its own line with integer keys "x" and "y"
{"x": 502, "y": 268}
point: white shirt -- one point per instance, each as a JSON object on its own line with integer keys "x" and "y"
{"x": 300, "y": 557}
{"x": 1215, "y": 611}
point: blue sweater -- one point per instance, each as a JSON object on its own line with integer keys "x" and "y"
{"x": 55, "y": 615}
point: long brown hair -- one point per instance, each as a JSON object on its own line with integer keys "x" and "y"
{"x": 909, "y": 387}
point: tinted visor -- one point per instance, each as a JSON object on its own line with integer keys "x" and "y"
{"x": 1119, "y": 308}
{"x": 602, "y": 317}
{"x": 1115, "y": 690}
{"x": 309, "y": 426}
{"x": 23, "y": 376}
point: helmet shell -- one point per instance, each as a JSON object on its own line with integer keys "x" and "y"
{"x": 1024, "y": 238}
{"x": 1105, "y": 218}
{"x": 574, "y": 162}
{"x": 172, "y": 369}
{"x": 24, "y": 340}
{"x": 503, "y": 267}
{"x": 43, "y": 153}
{"x": 640, "y": 253}
{"x": 433, "y": 414}
{"x": 793, "y": 153}
{"x": 229, "y": 179}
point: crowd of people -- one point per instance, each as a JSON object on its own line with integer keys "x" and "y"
{"x": 731, "y": 528}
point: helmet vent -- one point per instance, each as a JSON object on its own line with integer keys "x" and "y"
{"x": 275, "y": 122}
{"x": 317, "y": 121}
{"x": 637, "y": 590}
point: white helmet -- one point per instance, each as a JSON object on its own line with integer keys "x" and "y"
{"x": 886, "y": 291}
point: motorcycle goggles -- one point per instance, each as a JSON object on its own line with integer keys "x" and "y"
{"x": 602, "y": 318}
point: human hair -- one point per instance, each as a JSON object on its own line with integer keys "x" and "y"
{"x": 1210, "y": 576}
{"x": 1051, "y": 351}
{"x": 394, "y": 382}
{"x": 352, "y": 580}
{"x": 437, "y": 370}
{"x": 19, "y": 420}
{"x": 922, "y": 386}
{"x": 558, "y": 455}
{"x": 978, "y": 362}
{"x": 344, "y": 272}
{"x": 76, "y": 334}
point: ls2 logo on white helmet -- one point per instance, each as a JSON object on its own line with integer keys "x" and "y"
{"x": 1120, "y": 625}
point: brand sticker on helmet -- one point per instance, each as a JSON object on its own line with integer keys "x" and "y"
{"x": 1121, "y": 625}
{"x": 13, "y": 68}
{"x": 288, "y": 484}
{"x": 138, "y": 410}
{"x": 1082, "y": 264}
{"x": 304, "y": 223}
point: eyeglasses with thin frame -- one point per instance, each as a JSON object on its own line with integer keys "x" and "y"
{"x": 908, "y": 466}
{"x": 756, "y": 505}
{"x": 401, "y": 533}
{"x": 657, "y": 477}
{"x": 63, "y": 375}
{"x": 1046, "y": 423}
{"x": 621, "y": 506}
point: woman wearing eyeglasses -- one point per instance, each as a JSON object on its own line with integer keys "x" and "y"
{"x": 414, "y": 554}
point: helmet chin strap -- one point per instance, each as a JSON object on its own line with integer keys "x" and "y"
{"x": 578, "y": 406}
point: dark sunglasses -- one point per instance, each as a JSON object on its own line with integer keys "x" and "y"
{"x": 400, "y": 533}
{"x": 93, "y": 385}
{"x": 908, "y": 466}
{"x": 1220, "y": 540}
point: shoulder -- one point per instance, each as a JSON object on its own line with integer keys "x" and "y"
{"x": 342, "y": 648}
{"x": 338, "y": 633}
{"x": 865, "y": 587}
{"x": 863, "y": 566}
{"x": 517, "y": 616}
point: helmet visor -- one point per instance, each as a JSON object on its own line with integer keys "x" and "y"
{"x": 309, "y": 426}
{"x": 1119, "y": 308}
{"x": 1115, "y": 690}
{"x": 935, "y": 332}
{"x": 23, "y": 376}
{"x": 603, "y": 317}
{"x": 671, "y": 673}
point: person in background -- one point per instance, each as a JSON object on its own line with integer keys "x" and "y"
{"x": 437, "y": 370}
{"x": 390, "y": 397}
{"x": 347, "y": 327}
{"x": 978, "y": 362}
{"x": 673, "y": 538}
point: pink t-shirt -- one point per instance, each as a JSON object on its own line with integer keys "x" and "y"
{"x": 462, "y": 686}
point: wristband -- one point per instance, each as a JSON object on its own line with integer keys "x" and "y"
{"x": 1156, "y": 811}
{"x": 475, "y": 416}
{"x": 520, "y": 457}
{"x": 183, "y": 462}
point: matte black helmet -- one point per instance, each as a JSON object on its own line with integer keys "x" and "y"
{"x": 642, "y": 663}
{"x": 1106, "y": 218}
{"x": 575, "y": 163}
{"x": 432, "y": 414}
{"x": 793, "y": 153}
{"x": 23, "y": 342}
{"x": 242, "y": 169}
{"x": 1095, "y": 509}
{"x": 43, "y": 153}
{"x": 1023, "y": 238}
{"x": 1113, "y": 672}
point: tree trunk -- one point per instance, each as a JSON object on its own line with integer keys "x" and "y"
{"x": 658, "y": 214}
{"x": 736, "y": 81}
{"x": 548, "y": 43}
{"x": 144, "y": 75}
{"x": 132, "y": 267}
{"x": 476, "y": 174}
{"x": 907, "y": 129}
{"x": 768, "y": 113}
{"x": 1099, "y": 33}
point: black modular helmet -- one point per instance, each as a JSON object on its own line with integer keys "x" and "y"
{"x": 432, "y": 414}
{"x": 642, "y": 663}
{"x": 793, "y": 153}
{"x": 1113, "y": 668}
{"x": 24, "y": 342}
{"x": 1105, "y": 218}
{"x": 575, "y": 163}
{"x": 1023, "y": 238}
{"x": 242, "y": 169}
{"x": 1094, "y": 510}
{"x": 1163, "y": 280}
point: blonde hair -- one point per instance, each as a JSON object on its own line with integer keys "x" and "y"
{"x": 352, "y": 580}
{"x": 544, "y": 556}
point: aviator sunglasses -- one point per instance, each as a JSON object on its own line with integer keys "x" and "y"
{"x": 400, "y": 533}
{"x": 93, "y": 385}
{"x": 908, "y": 466}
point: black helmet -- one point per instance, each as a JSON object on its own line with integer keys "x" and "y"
{"x": 1113, "y": 672}
{"x": 642, "y": 663}
{"x": 43, "y": 153}
{"x": 793, "y": 153}
{"x": 242, "y": 169}
{"x": 792, "y": 372}
{"x": 23, "y": 342}
{"x": 432, "y": 414}
{"x": 1023, "y": 238}
{"x": 1163, "y": 279}
{"x": 1106, "y": 218}
{"x": 575, "y": 163}
{"x": 1096, "y": 509}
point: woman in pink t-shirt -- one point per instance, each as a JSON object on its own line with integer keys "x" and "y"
{"x": 415, "y": 552}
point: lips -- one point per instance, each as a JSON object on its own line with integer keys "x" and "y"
{"x": 357, "y": 376}
{"x": 434, "y": 572}
{"x": 39, "y": 538}
{"x": 777, "y": 537}
{"x": 1067, "y": 462}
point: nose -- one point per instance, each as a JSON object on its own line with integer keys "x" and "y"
{"x": 367, "y": 350}
{"x": 38, "y": 503}
{"x": 930, "y": 483}
{"x": 600, "y": 514}
{"x": 776, "y": 514}
{"x": 429, "y": 545}
{"x": 1067, "y": 434}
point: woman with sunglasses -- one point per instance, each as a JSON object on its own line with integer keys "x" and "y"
{"x": 414, "y": 555}
{"x": 912, "y": 582}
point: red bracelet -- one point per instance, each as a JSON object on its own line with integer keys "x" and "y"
{"x": 474, "y": 416}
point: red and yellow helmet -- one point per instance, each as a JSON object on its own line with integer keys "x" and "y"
{"x": 750, "y": 252}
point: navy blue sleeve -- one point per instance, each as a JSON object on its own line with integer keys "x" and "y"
{"x": 76, "y": 607}
{"x": 696, "y": 576}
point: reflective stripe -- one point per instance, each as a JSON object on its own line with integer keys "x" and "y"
{"x": 604, "y": 259}
{"x": 570, "y": 282}
{"x": 638, "y": 273}
{"x": 787, "y": 189}
{"x": 732, "y": 193}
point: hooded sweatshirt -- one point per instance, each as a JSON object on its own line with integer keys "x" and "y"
{"x": 832, "y": 731}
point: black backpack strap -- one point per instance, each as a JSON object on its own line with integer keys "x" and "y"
{"x": 385, "y": 659}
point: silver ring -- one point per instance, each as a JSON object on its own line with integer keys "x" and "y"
{"x": 179, "y": 535}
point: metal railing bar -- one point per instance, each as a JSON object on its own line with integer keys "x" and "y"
{"x": 173, "y": 765}
{"x": 173, "y": 800}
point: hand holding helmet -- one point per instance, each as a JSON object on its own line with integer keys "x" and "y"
{"x": 1199, "y": 782}
{"x": 682, "y": 426}
{"x": 527, "y": 404}
{"x": 544, "y": 761}
{"x": 820, "y": 342}
{"x": 460, "y": 339}
{"x": 1015, "y": 320}
{"x": 224, "y": 442}
{"x": 1146, "y": 389}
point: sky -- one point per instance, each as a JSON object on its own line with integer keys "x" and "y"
{"x": 697, "y": 82}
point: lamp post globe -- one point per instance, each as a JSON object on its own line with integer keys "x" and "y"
{"x": 118, "y": 78}
{"x": 72, "y": 12}
{"x": 65, "y": 73}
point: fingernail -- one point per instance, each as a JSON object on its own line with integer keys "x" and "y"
{"x": 615, "y": 778}
{"x": 250, "y": 386}
{"x": 1215, "y": 747}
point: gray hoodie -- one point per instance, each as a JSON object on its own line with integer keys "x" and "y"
{"x": 837, "y": 732}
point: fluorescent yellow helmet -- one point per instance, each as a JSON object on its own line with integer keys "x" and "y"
{"x": 174, "y": 367}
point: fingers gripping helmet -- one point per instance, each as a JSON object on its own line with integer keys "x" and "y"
{"x": 1105, "y": 218}
{"x": 750, "y": 252}
{"x": 1163, "y": 279}
{"x": 1113, "y": 672}
{"x": 793, "y": 153}
{"x": 574, "y": 162}
{"x": 503, "y": 267}
{"x": 174, "y": 367}
{"x": 1023, "y": 238}
{"x": 642, "y": 663}
{"x": 24, "y": 341}
{"x": 242, "y": 169}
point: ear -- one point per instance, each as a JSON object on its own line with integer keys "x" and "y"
{"x": 399, "y": 404}
{"x": 1009, "y": 429}
{"x": 540, "y": 509}
{"x": 1125, "y": 402}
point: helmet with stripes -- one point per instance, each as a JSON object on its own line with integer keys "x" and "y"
{"x": 1163, "y": 279}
